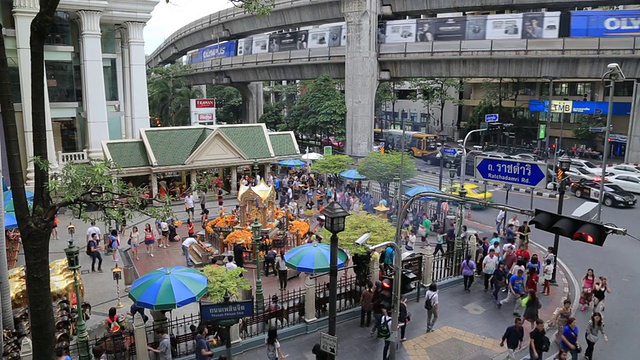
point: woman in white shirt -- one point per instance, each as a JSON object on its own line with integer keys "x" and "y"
{"x": 274, "y": 351}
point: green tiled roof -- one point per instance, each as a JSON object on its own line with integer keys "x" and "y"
{"x": 128, "y": 154}
{"x": 283, "y": 144}
{"x": 250, "y": 139}
{"x": 174, "y": 146}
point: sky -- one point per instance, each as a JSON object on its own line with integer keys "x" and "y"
{"x": 167, "y": 18}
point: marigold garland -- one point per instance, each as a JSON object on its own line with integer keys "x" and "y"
{"x": 238, "y": 236}
{"x": 299, "y": 227}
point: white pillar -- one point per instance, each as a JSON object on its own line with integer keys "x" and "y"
{"x": 126, "y": 79}
{"x": 154, "y": 186}
{"x": 120, "y": 81}
{"x": 93, "y": 79}
{"x": 26, "y": 349}
{"x": 234, "y": 180}
{"x": 140, "y": 335}
{"x": 138, "y": 78}
{"x": 309, "y": 299}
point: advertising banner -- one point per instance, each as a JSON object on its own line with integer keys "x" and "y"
{"x": 260, "y": 44}
{"x": 296, "y": 40}
{"x": 504, "y": 26}
{"x": 225, "y": 49}
{"x": 202, "y": 111}
{"x": 318, "y": 38}
{"x": 582, "y": 107}
{"x": 605, "y": 23}
{"x": 245, "y": 46}
{"x": 448, "y": 29}
{"x": 476, "y": 27}
{"x": 399, "y": 31}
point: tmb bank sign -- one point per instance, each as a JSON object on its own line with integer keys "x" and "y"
{"x": 580, "y": 107}
{"x": 203, "y": 111}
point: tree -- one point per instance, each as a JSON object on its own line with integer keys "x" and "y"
{"x": 581, "y": 130}
{"x": 332, "y": 164}
{"x": 170, "y": 94}
{"x": 386, "y": 93}
{"x": 383, "y": 168}
{"x": 284, "y": 97}
{"x": 272, "y": 116}
{"x": 228, "y": 103}
{"x": 222, "y": 281}
{"x": 437, "y": 92}
{"x": 361, "y": 223}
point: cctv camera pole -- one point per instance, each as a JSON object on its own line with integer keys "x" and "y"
{"x": 605, "y": 154}
{"x": 556, "y": 237}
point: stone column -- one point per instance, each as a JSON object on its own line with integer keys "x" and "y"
{"x": 140, "y": 335}
{"x": 154, "y": 186}
{"x": 252, "y": 101}
{"x": 126, "y": 80}
{"x": 632, "y": 155}
{"x": 120, "y": 81}
{"x": 138, "y": 78}
{"x": 361, "y": 73}
{"x": 192, "y": 177}
{"x": 427, "y": 272}
{"x": 26, "y": 349}
{"x": 309, "y": 299}
{"x": 93, "y": 79}
{"x": 234, "y": 181}
{"x": 374, "y": 269}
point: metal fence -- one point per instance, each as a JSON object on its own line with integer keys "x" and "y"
{"x": 447, "y": 266}
{"x": 117, "y": 346}
{"x": 348, "y": 296}
{"x": 286, "y": 309}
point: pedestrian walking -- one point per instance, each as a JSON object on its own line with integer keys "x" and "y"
{"x": 588, "y": 282}
{"x": 439, "y": 242}
{"x": 539, "y": 343}
{"x": 570, "y": 338}
{"x": 403, "y": 318}
{"x": 366, "y": 305}
{"x": 189, "y": 205}
{"x": 61, "y": 352}
{"x": 499, "y": 220}
{"x": 499, "y": 281}
{"x": 134, "y": 242}
{"x": 191, "y": 229}
{"x": 547, "y": 275}
{"x": 425, "y": 229}
{"x": 274, "y": 351}
{"x": 164, "y": 346}
{"x": 384, "y": 332}
{"x": 377, "y": 306}
{"x": 164, "y": 230}
{"x": 561, "y": 318}
{"x": 592, "y": 335}
{"x": 186, "y": 244}
{"x": 281, "y": 266}
{"x": 516, "y": 289}
{"x": 149, "y": 238}
{"x": 532, "y": 279}
{"x": 114, "y": 243}
{"x": 467, "y": 269}
{"x": 203, "y": 200}
{"x": 93, "y": 250}
{"x": 203, "y": 352}
{"x": 220, "y": 197}
{"x": 513, "y": 336}
{"x": 431, "y": 305}
{"x": 389, "y": 253}
{"x": 600, "y": 290}
{"x": 531, "y": 305}
{"x": 54, "y": 229}
{"x": 99, "y": 353}
{"x": 489, "y": 265}
{"x": 94, "y": 230}
{"x": 562, "y": 355}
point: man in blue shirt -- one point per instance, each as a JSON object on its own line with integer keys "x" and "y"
{"x": 516, "y": 291}
{"x": 388, "y": 258}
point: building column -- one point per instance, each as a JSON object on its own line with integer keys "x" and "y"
{"x": 126, "y": 79}
{"x": 120, "y": 80}
{"x": 632, "y": 154}
{"x": 234, "y": 181}
{"x": 93, "y": 80}
{"x": 252, "y": 101}
{"x": 154, "y": 186}
{"x": 361, "y": 73}
{"x": 138, "y": 78}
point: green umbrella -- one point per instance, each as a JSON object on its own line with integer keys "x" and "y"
{"x": 312, "y": 258}
{"x": 168, "y": 288}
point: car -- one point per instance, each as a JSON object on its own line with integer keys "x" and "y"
{"x": 436, "y": 157}
{"x": 588, "y": 165}
{"x": 628, "y": 182}
{"x": 473, "y": 192}
{"x": 614, "y": 195}
{"x": 623, "y": 169}
{"x": 578, "y": 174}
{"x": 497, "y": 155}
{"x": 331, "y": 141}
{"x": 526, "y": 157}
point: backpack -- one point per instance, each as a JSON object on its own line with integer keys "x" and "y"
{"x": 383, "y": 329}
{"x": 546, "y": 344}
{"x": 114, "y": 325}
{"x": 271, "y": 352}
{"x": 428, "y": 303}
{"x": 90, "y": 244}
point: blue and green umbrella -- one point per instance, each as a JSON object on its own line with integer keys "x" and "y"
{"x": 168, "y": 288}
{"x": 8, "y": 200}
{"x": 352, "y": 174}
{"x": 312, "y": 258}
{"x": 10, "y": 221}
{"x": 292, "y": 163}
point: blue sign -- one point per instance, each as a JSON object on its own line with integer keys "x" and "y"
{"x": 525, "y": 173}
{"x": 585, "y": 107}
{"x": 225, "y": 49}
{"x": 491, "y": 118}
{"x": 449, "y": 151}
{"x": 618, "y": 23}
{"x": 596, "y": 129}
{"x": 221, "y": 311}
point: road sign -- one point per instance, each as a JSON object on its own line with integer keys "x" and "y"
{"x": 220, "y": 311}
{"x": 491, "y": 118}
{"x": 329, "y": 343}
{"x": 449, "y": 151}
{"x": 530, "y": 174}
{"x": 597, "y": 129}
{"x": 328, "y": 150}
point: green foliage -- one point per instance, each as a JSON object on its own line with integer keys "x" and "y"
{"x": 284, "y": 96}
{"x": 228, "y": 103}
{"x": 385, "y": 94}
{"x": 435, "y": 93}
{"x": 169, "y": 94}
{"x": 384, "y": 168}
{"x": 584, "y": 122}
{"x": 256, "y": 7}
{"x": 222, "y": 280}
{"x": 359, "y": 224}
{"x": 489, "y": 104}
{"x": 332, "y": 164}
{"x": 272, "y": 116}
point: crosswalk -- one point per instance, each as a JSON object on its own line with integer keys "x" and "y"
{"x": 426, "y": 179}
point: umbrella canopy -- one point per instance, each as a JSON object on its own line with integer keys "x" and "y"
{"x": 168, "y": 288}
{"x": 8, "y": 195}
{"x": 312, "y": 258}
{"x": 8, "y": 205}
{"x": 418, "y": 189}
{"x": 312, "y": 156}
{"x": 10, "y": 221}
{"x": 352, "y": 174}
{"x": 291, "y": 163}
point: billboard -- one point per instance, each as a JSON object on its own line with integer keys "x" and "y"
{"x": 448, "y": 28}
{"x": 399, "y": 31}
{"x": 504, "y": 26}
{"x": 202, "y": 111}
{"x": 225, "y": 49}
{"x": 581, "y": 107}
{"x": 605, "y": 23}
{"x": 296, "y": 40}
{"x": 476, "y": 27}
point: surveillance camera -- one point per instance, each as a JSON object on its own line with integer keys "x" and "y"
{"x": 615, "y": 72}
{"x": 363, "y": 239}
{"x": 613, "y": 66}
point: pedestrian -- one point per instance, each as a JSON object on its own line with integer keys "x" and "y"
{"x": 319, "y": 353}
{"x": 523, "y": 234}
{"x": 94, "y": 230}
{"x": 189, "y": 205}
{"x": 489, "y": 265}
{"x": 431, "y": 304}
{"x": 149, "y": 238}
{"x": 600, "y": 290}
{"x": 203, "y": 351}
{"x": 377, "y": 306}
{"x": 164, "y": 230}
{"x": 230, "y": 265}
{"x": 539, "y": 343}
{"x": 592, "y": 335}
{"x": 562, "y": 355}
{"x": 499, "y": 220}
{"x": 498, "y": 281}
{"x": 547, "y": 274}
{"x": 270, "y": 261}
{"x": 561, "y": 318}
{"x": 93, "y": 250}
{"x": 113, "y": 323}
{"x": 204, "y": 218}
{"x": 283, "y": 271}
{"x": 425, "y": 229}
{"x": 186, "y": 244}
{"x": 274, "y": 351}
{"x": 238, "y": 253}
{"x": 366, "y": 305}
{"x": 54, "y": 229}
{"x": 451, "y": 237}
{"x": 531, "y": 305}
{"x": 403, "y": 318}
{"x": 467, "y": 269}
{"x": 220, "y": 197}
{"x": 164, "y": 346}
{"x": 532, "y": 279}
{"x": 62, "y": 353}
{"x": 203, "y": 200}
{"x": 191, "y": 229}
{"x": 570, "y": 338}
{"x": 134, "y": 309}
{"x": 480, "y": 253}
{"x": 114, "y": 243}
{"x": 439, "y": 242}
{"x": 513, "y": 336}
{"x": 389, "y": 253}
{"x": 411, "y": 240}
{"x": 588, "y": 282}
{"x": 535, "y": 263}
{"x": 384, "y": 332}
{"x": 134, "y": 242}
{"x": 516, "y": 289}
{"x": 99, "y": 353}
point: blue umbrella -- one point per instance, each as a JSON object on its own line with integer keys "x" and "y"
{"x": 418, "y": 189}
{"x": 10, "y": 221}
{"x": 291, "y": 163}
{"x": 352, "y": 174}
{"x": 8, "y": 195}
{"x": 312, "y": 258}
{"x": 168, "y": 288}
{"x": 4, "y": 185}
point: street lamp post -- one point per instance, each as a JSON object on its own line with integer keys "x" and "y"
{"x": 564, "y": 164}
{"x": 256, "y": 229}
{"x": 463, "y": 165}
{"x": 335, "y": 216}
{"x": 72, "y": 253}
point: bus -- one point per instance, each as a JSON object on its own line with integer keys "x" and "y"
{"x": 417, "y": 143}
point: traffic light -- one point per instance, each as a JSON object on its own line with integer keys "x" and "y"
{"x": 386, "y": 291}
{"x": 571, "y": 227}
{"x": 406, "y": 282}
{"x": 553, "y": 146}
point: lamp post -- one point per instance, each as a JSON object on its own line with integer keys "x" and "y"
{"x": 463, "y": 164}
{"x": 564, "y": 164}
{"x": 256, "y": 229}
{"x": 72, "y": 253}
{"x": 335, "y": 216}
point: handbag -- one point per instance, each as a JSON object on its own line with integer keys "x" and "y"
{"x": 422, "y": 231}
{"x": 592, "y": 338}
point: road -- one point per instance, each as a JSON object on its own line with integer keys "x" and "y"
{"x": 617, "y": 260}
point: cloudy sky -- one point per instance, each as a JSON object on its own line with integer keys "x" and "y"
{"x": 167, "y": 18}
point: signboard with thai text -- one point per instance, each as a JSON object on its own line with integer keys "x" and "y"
{"x": 231, "y": 310}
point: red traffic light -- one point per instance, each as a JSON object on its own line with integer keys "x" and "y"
{"x": 553, "y": 146}
{"x": 571, "y": 227}
{"x": 387, "y": 283}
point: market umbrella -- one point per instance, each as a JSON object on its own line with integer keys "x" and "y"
{"x": 418, "y": 189}
{"x": 312, "y": 156}
{"x": 10, "y": 221}
{"x": 8, "y": 205}
{"x": 352, "y": 174}
{"x": 291, "y": 163}
{"x": 168, "y": 288}
{"x": 8, "y": 195}
{"x": 312, "y": 258}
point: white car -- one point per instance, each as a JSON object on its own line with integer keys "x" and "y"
{"x": 587, "y": 165}
{"x": 577, "y": 174}
{"x": 628, "y": 182}
{"x": 623, "y": 169}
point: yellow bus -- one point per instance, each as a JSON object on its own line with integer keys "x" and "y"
{"x": 417, "y": 143}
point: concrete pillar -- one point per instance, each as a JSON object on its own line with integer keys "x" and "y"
{"x": 93, "y": 79}
{"x": 309, "y": 299}
{"x": 138, "y": 78}
{"x": 427, "y": 273}
{"x": 361, "y": 73}
{"x": 374, "y": 268}
{"x": 252, "y": 101}
{"x": 140, "y": 336}
{"x": 154, "y": 185}
{"x": 234, "y": 332}
{"x": 126, "y": 85}
{"x": 234, "y": 181}
{"x": 26, "y": 349}
{"x": 120, "y": 84}
{"x": 192, "y": 177}
{"x": 632, "y": 155}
